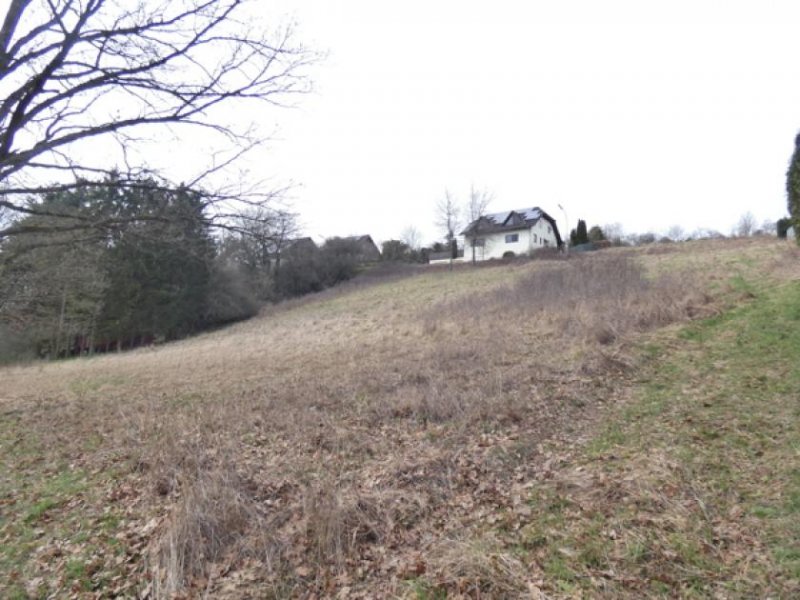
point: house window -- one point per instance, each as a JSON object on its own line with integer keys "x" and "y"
{"x": 479, "y": 243}
{"x": 512, "y": 238}
{"x": 535, "y": 239}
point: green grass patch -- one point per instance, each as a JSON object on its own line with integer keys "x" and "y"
{"x": 693, "y": 489}
{"x": 56, "y": 491}
{"x": 50, "y": 511}
{"x": 422, "y": 589}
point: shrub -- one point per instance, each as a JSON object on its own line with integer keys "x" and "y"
{"x": 230, "y": 297}
{"x": 339, "y": 259}
{"x": 783, "y": 227}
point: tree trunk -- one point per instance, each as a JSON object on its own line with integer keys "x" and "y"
{"x": 60, "y": 320}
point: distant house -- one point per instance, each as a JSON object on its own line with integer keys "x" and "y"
{"x": 367, "y": 249}
{"x": 300, "y": 245}
{"x": 292, "y": 248}
{"x": 519, "y": 232}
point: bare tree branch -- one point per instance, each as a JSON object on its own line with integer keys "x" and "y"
{"x": 448, "y": 216}
{"x": 477, "y": 205}
{"x": 479, "y": 201}
{"x": 73, "y": 71}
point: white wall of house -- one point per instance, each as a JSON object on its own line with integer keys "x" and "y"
{"x": 520, "y": 242}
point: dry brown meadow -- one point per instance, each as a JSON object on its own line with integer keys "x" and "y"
{"x": 355, "y": 444}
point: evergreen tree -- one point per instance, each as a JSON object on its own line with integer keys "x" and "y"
{"x": 793, "y": 188}
{"x": 395, "y": 251}
{"x": 160, "y": 268}
{"x": 50, "y": 295}
{"x": 52, "y": 284}
{"x": 783, "y": 227}
{"x": 581, "y": 235}
{"x": 135, "y": 280}
{"x": 596, "y": 234}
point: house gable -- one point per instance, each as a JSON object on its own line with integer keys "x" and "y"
{"x": 519, "y": 231}
{"x": 368, "y": 250}
{"x": 514, "y": 219}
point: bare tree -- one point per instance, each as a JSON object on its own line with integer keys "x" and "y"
{"x": 448, "y": 218}
{"x": 284, "y": 229}
{"x": 746, "y": 225}
{"x": 479, "y": 201}
{"x": 705, "y": 234}
{"x": 411, "y": 237}
{"x": 769, "y": 227}
{"x": 265, "y": 233}
{"x": 80, "y": 76}
{"x": 614, "y": 232}
{"x": 676, "y": 233}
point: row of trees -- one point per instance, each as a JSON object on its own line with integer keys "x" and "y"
{"x": 96, "y": 248}
{"x": 613, "y": 232}
{"x": 66, "y": 287}
{"x": 580, "y": 235}
{"x": 163, "y": 275}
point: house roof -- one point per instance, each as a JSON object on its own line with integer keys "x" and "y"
{"x": 364, "y": 239}
{"x": 511, "y": 220}
{"x": 369, "y": 249}
{"x": 303, "y": 241}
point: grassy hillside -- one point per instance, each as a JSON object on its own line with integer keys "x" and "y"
{"x": 495, "y": 431}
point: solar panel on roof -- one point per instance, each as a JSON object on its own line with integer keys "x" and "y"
{"x": 529, "y": 214}
{"x": 497, "y": 217}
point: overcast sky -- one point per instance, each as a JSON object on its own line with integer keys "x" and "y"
{"x": 646, "y": 113}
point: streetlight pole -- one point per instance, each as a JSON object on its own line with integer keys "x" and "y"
{"x": 566, "y": 221}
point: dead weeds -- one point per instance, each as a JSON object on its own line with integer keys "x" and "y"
{"x": 334, "y": 446}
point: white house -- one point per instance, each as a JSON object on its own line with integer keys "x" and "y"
{"x": 519, "y": 232}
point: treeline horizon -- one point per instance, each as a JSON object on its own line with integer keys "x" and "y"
{"x": 102, "y": 267}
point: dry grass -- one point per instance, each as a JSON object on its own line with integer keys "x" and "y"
{"x": 597, "y": 298}
{"x": 330, "y": 443}
{"x": 480, "y": 569}
{"x": 209, "y": 520}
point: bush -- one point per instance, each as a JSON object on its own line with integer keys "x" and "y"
{"x": 230, "y": 297}
{"x": 339, "y": 259}
{"x": 783, "y": 227}
{"x": 298, "y": 276}
{"x": 304, "y": 272}
{"x": 596, "y": 234}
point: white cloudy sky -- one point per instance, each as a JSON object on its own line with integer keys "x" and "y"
{"x": 645, "y": 113}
